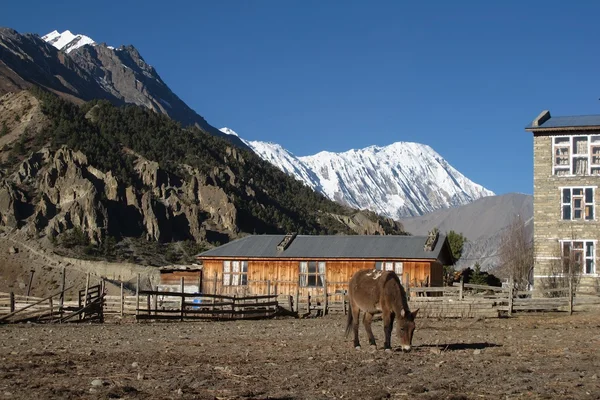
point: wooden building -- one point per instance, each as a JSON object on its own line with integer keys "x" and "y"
{"x": 312, "y": 265}
{"x": 171, "y": 276}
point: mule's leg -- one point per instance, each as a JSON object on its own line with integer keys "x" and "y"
{"x": 388, "y": 325}
{"x": 367, "y": 318}
{"x": 355, "y": 322}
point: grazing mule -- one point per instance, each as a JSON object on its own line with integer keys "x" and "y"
{"x": 374, "y": 292}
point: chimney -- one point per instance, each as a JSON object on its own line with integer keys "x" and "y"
{"x": 432, "y": 239}
{"x": 543, "y": 117}
{"x": 287, "y": 240}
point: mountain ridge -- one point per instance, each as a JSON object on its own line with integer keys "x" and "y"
{"x": 388, "y": 180}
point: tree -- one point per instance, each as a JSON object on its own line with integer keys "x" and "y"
{"x": 456, "y": 241}
{"x": 478, "y": 277}
{"x": 516, "y": 253}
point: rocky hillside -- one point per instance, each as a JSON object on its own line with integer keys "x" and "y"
{"x": 81, "y": 69}
{"x": 400, "y": 180}
{"x": 96, "y": 171}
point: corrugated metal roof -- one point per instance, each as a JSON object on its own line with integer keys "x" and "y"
{"x": 567, "y": 122}
{"x": 333, "y": 246}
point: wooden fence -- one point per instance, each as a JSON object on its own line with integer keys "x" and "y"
{"x": 16, "y": 308}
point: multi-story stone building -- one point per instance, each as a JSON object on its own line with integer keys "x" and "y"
{"x": 566, "y": 175}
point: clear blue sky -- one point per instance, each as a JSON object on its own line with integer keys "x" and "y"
{"x": 464, "y": 77}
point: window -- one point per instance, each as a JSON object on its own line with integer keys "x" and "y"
{"x": 396, "y": 266}
{"x": 577, "y": 204}
{"x": 312, "y": 273}
{"x": 579, "y": 256}
{"x": 235, "y": 273}
{"x": 576, "y": 155}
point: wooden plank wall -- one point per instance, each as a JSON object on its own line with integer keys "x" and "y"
{"x": 283, "y": 276}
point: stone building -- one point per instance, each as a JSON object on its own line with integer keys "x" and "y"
{"x": 566, "y": 174}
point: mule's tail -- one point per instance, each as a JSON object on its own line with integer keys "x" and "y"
{"x": 349, "y": 321}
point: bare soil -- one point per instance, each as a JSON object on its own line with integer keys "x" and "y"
{"x": 540, "y": 356}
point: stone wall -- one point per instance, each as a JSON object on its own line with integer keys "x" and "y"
{"x": 548, "y": 226}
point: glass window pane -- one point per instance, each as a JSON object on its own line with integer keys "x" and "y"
{"x": 589, "y": 212}
{"x": 562, "y": 140}
{"x": 567, "y": 212}
{"x": 378, "y": 265}
{"x": 312, "y": 280}
{"x": 589, "y": 266}
{"x": 577, "y": 214}
{"x": 227, "y": 279}
{"x": 303, "y": 267}
{"x": 322, "y": 267}
{"x": 312, "y": 267}
{"x": 589, "y": 195}
{"x": 244, "y": 279}
{"x": 244, "y": 266}
{"x": 577, "y": 192}
{"x": 389, "y": 266}
{"x": 226, "y": 266}
{"x": 589, "y": 249}
{"x": 235, "y": 279}
{"x": 319, "y": 281}
{"x": 399, "y": 268}
{"x": 566, "y": 196}
{"x": 235, "y": 266}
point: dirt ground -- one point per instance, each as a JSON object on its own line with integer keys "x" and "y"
{"x": 534, "y": 356}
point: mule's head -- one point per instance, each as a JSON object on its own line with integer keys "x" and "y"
{"x": 406, "y": 328}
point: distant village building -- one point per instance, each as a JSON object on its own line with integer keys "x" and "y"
{"x": 306, "y": 264}
{"x": 566, "y": 154}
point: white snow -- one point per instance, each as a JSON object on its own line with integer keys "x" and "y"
{"x": 67, "y": 41}
{"x": 400, "y": 180}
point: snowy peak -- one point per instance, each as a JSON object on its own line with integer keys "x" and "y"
{"x": 67, "y": 41}
{"x": 400, "y": 180}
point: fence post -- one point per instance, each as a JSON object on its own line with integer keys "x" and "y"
{"x": 461, "y": 288}
{"x": 137, "y": 297}
{"x": 12, "y": 302}
{"x": 308, "y": 302}
{"x": 29, "y": 286}
{"x": 326, "y": 303}
{"x": 182, "y": 298}
{"x": 51, "y": 309}
{"x": 344, "y": 302}
{"x": 233, "y": 306}
{"x": 122, "y": 299}
{"x": 297, "y": 299}
{"x": 570, "y": 294}
{"x": 407, "y": 285}
{"x": 62, "y": 291}
{"x": 87, "y": 288}
{"x": 511, "y": 285}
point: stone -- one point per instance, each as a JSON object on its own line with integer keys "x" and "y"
{"x": 13, "y": 250}
{"x": 97, "y": 382}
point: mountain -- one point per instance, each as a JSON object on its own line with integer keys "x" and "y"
{"x": 400, "y": 180}
{"x": 80, "y": 69}
{"x": 483, "y": 222}
{"x": 95, "y": 175}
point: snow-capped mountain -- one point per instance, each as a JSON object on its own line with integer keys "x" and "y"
{"x": 400, "y": 180}
{"x": 67, "y": 41}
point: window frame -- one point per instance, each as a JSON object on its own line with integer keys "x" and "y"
{"x": 317, "y": 276}
{"x": 593, "y": 144}
{"x": 571, "y": 203}
{"x": 584, "y": 254}
{"x": 395, "y": 266}
{"x": 233, "y": 277}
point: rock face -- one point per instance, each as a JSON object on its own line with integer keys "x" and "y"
{"x": 73, "y": 194}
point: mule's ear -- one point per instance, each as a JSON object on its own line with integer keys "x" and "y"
{"x": 414, "y": 313}
{"x": 402, "y": 313}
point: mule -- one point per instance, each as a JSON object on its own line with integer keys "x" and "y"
{"x": 374, "y": 292}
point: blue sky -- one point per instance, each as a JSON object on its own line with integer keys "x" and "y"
{"x": 464, "y": 77}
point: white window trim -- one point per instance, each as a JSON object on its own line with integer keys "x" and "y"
{"x": 572, "y": 155}
{"x": 560, "y": 193}
{"x": 593, "y": 257}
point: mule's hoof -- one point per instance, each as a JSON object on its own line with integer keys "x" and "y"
{"x": 357, "y": 347}
{"x": 388, "y": 350}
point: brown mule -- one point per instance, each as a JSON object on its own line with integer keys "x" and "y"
{"x": 375, "y": 292}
